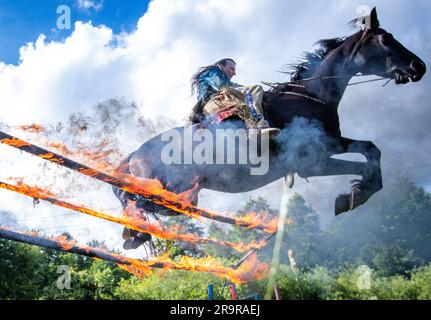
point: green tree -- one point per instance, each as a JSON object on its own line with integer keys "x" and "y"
{"x": 23, "y": 271}
{"x": 184, "y": 225}
{"x": 303, "y": 235}
{"x": 390, "y": 233}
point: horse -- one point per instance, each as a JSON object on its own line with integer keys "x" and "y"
{"x": 306, "y": 110}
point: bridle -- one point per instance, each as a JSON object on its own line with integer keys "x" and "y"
{"x": 295, "y": 84}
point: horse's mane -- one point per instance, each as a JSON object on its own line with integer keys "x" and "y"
{"x": 306, "y": 66}
{"x": 309, "y": 61}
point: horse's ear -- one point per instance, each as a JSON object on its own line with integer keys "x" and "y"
{"x": 373, "y": 21}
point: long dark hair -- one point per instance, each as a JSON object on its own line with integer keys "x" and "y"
{"x": 195, "y": 79}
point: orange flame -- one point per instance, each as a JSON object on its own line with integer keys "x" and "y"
{"x": 96, "y": 155}
{"x": 64, "y": 242}
{"x": 250, "y": 270}
{"x": 34, "y": 128}
{"x": 132, "y": 220}
{"x": 179, "y": 203}
{"x": 15, "y": 142}
{"x": 154, "y": 190}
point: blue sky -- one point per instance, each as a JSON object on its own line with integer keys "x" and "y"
{"x": 21, "y": 21}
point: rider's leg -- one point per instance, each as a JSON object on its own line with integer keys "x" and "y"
{"x": 262, "y": 124}
{"x": 256, "y": 93}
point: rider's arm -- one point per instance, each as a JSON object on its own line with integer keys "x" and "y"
{"x": 215, "y": 78}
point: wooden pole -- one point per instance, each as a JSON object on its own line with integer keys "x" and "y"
{"x": 181, "y": 207}
{"x": 233, "y": 291}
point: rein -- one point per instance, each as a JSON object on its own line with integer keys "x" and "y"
{"x": 294, "y": 84}
{"x": 341, "y": 77}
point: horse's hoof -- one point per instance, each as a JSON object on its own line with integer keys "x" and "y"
{"x": 128, "y": 244}
{"x": 126, "y": 234}
{"x": 342, "y": 204}
{"x": 137, "y": 241}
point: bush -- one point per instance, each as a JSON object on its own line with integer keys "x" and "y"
{"x": 172, "y": 285}
{"x": 351, "y": 283}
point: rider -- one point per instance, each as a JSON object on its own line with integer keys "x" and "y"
{"x": 219, "y": 96}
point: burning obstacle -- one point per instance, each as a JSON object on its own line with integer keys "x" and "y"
{"x": 150, "y": 189}
{"x": 250, "y": 271}
{"x": 153, "y": 191}
{"x": 134, "y": 224}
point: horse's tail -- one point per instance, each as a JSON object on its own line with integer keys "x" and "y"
{"x": 133, "y": 239}
{"x": 122, "y": 195}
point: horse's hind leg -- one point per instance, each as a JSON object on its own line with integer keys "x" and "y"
{"x": 133, "y": 239}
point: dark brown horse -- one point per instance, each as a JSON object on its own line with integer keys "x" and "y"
{"x": 306, "y": 111}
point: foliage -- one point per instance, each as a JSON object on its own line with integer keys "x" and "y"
{"x": 172, "y": 285}
{"x": 390, "y": 234}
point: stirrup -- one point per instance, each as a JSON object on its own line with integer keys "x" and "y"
{"x": 271, "y": 132}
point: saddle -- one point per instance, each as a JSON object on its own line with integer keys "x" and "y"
{"x": 225, "y": 104}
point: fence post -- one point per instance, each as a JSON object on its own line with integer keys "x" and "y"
{"x": 233, "y": 292}
{"x": 277, "y": 292}
{"x": 210, "y": 292}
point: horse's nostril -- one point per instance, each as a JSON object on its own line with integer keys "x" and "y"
{"x": 418, "y": 65}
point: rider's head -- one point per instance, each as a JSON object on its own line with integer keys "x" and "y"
{"x": 228, "y": 66}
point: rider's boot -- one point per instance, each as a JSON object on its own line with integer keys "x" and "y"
{"x": 254, "y": 101}
{"x": 262, "y": 127}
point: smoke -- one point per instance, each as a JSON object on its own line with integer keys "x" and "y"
{"x": 303, "y": 144}
{"x": 101, "y": 138}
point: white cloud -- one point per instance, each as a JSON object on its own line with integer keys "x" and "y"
{"x": 153, "y": 65}
{"x": 88, "y": 4}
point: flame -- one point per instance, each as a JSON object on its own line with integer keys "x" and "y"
{"x": 31, "y": 191}
{"x": 154, "y": 191}
{"x": 33, "y": 128}
{"x": 97, "y": 155}
{"x": 250, "y": 270}
{"x": 14, "y": 142}
{"x": 132, "y": 218}
{"x": 252, "y": 219}
{"x": 64, "y": 242}
{"x": 153, "y": 188}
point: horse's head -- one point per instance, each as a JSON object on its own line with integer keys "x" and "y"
{"x": 377, "y": 52}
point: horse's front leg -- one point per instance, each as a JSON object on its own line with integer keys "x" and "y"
{"x": 336, "y": 167}
{"x": 371, "y": 181}
{"x": 369, "y": 150}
